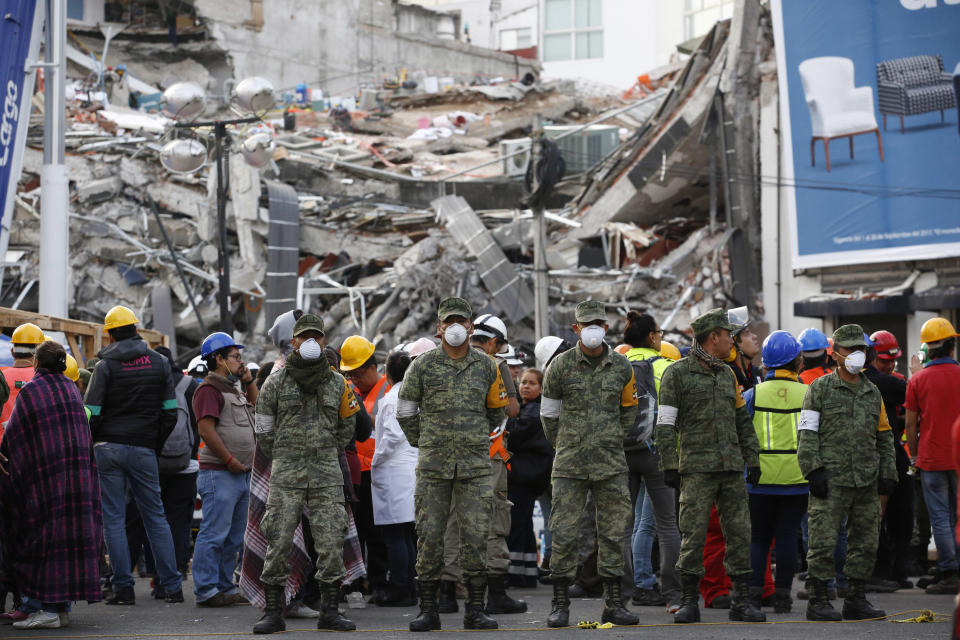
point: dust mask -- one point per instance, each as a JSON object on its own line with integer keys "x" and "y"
{"x": 310, "y": 350}
{"x": 855, "y": 361}
{"x": 455, "y": 335}
{"x": 592, "y": 336}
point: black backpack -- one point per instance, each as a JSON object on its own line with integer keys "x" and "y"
{"x": 178, "y": 449}
{"x": 641, "y": 434}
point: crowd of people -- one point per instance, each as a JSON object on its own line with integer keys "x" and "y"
{"x": 662, "y": 474}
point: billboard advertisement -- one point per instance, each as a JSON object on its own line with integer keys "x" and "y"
{"x": 869, "y": 91}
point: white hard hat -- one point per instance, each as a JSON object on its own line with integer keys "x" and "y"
{"x": 419, "y": 347}
{"x": 510, "y": 356}
{"x": 198, "y": 365}
{"x": 253, "y": 367}
{"x": 490, "y": 326}
{"x": 545, "y": 350}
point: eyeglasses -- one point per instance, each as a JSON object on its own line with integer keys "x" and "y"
{"x": 235, "y": 356}
{"x": 659, "y": 332}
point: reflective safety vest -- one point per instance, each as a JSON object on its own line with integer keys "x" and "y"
{"x": 371, "y": 403}
{"x": 777, "y": 405}
{"x": 808, "y": 376}
{"x": 16, "y": 378}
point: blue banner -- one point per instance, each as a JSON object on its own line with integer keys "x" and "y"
{"x": 869, "y": 91}
{"x": 16, "y": 29}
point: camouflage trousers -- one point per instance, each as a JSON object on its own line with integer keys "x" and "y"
{"x": 433, "y": 501}
{"x": 698, "y": 493}
{"x": 611, "y": 498}
{"x": 498, "y": 555}
{"x": 328, "y": 524}
{"x": 861, "y": 507}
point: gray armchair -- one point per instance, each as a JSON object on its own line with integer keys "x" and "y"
{"x": 911, "y": 86}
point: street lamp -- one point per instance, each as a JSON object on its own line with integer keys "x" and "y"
{"x": 184, "y": 102}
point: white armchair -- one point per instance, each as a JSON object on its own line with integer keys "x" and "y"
{"x": 838, "y": 109}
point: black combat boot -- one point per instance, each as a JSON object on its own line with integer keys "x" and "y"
{"x": 447, "y": 602}
{"x": 690, "y": 596}
{"x": 497, "y": 599}
{"x": 271, "y": 621}
{"x": 330, "y": 617}
{"x": 819, "y": 608}
{"x": 560, "y": 614}
{"x": 782, "y": 601}
{"x": 473, "y": 615}
{"x": 742, "y": 608}
{"x": 855, "y": 605}
{"x": 429, "y": 618}
{"x": 613, "y": 609}
{"x": 756, "y": 597}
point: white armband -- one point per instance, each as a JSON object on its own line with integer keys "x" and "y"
{"x": 263, "y": 423}
{"x": 550, "y": 407}
{"x": 667, "y": 415}
{"x": 407, "y": 408}
{"x": 809, "y": 420}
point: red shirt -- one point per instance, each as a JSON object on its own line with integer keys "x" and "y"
{"x": 934, "y": 393}
{"x": 956, "y": 462}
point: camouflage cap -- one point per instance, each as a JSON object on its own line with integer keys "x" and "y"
{"x": 308, "y": 322}
{"x": 590, "y": 310}
{"x": 454, "y": 307}
{"x": 713, "y": 319}
{"x": 849, "y": 335}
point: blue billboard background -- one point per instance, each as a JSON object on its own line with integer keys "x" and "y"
{"x": 906, "y": 207}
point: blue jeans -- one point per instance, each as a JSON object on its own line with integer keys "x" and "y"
{"x": 225, "y": 496}
{"x": 940, "y": 494}
{"x": 644, "y": 529}
{"x": 121, "y": 466}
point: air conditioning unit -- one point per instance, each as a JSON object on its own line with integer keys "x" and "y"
{"x": 517, "y": 165}
{"x": 584, "y": 149}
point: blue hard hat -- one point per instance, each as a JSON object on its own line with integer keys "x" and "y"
{"x": 216, "y": 341}
{"x": 866, "y": 338}
{"x": 813, "y": 340}
{"x": 779, "y": 348}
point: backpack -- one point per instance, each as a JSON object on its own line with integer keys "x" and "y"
{"x": 641, "y": 433}
{"x": 178, "y": 449}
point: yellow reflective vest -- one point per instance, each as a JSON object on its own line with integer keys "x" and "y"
{"x": 777, "y": 405}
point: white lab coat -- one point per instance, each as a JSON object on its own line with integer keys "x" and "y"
{"x": 393, "y": 470}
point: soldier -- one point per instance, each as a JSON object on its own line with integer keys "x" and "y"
{"x": 705, "y": 437}
{"x": 452, "y": 398}
{"x": 305, "y": 418}
{"x": 588, "y": 405}
{"x": 845, "y": 450}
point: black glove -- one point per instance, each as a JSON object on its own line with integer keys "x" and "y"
{"x": 886, "y": 486}
{"x": 818, "y": 483}
{"x": 753, "y": 476}
{"x": 671, "y": 478}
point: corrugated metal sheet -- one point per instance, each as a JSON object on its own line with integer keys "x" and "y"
{"x": 283, "y": 249}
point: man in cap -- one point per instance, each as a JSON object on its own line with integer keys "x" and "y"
{"x": 588, "y": 406}
{"x": 452, "y": 398}
{"x": 705, "y": 437}
{"x": 304, "y": 419}
{"x": 845, "y": 451}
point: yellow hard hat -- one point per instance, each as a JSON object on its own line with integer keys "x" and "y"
{"x": 72, "y": 371}
{"x": 119, "y": 317}
{"x": 27, "y": 333}
{"x": 47, "y": 338}
{"x": 355, "y": 351}
{"x": 937, "y": 329}
{"x": 669, "y": 351}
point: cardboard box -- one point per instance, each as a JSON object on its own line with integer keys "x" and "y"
{"x": 185, "y": 22}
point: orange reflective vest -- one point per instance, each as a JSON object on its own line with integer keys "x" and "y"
{"x": 16, "y": 377}
{"x": 371, "y": 401}
{"x": 808, "y": 376}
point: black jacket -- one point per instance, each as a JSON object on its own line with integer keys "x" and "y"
{"x": 131, "y": 396}
{"x": 893, "y": 390}
{"x": 531, "y": 459}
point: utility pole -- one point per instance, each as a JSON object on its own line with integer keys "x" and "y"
{"x": 54, "y": 200}
{"x": 540, "y": 283}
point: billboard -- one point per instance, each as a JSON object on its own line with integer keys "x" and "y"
{"x": 869, "y": 93}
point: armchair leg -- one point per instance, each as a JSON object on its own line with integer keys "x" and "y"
{"x": 850, "y": 138}
{"x": 826, "y": 152}
{"x": 879, "y": 143}
{"x": 884, "y": 122}
{"x": 942, "y": 120}
{"x": 813, "y": 152}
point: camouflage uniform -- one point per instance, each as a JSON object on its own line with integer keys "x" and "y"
{"x": 704, "y": 431}
{"x": 447, "y": 408}
{"x": 587, "y": 408}
{"x": 844, "y": 430}
{"x": 304, "y": 434}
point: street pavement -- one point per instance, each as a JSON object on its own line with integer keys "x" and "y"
{"x": 156, "y": 619}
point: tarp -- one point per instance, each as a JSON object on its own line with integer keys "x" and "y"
{"x": 864, "y": 209}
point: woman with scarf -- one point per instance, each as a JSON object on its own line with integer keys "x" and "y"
{"x": 50, "y": 497}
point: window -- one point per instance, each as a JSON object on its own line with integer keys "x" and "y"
{"x": 75, "y": 9}
{"x": 511, "y": 39}
{"x": 573, "y": 30}
{"x": 699, "y": 16}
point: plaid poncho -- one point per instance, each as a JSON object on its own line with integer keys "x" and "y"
{"x": 50, "y": 502}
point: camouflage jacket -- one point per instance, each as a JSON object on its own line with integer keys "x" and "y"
{"x": 845, "y": 431}
{"x": 305, "y": 433}
{"x": 447, "y": 408}
{"x": 586, "y": 411}
{"x": 703, "y": 424}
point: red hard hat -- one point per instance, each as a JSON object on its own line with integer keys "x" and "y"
{"x": 886, "y": 345}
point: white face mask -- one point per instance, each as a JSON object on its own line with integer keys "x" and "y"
{"x": 455, "y": 335}
{"x": 855, "y": 361}
{"x": 592, "y": 336}
{"x": 310, "y": 350}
